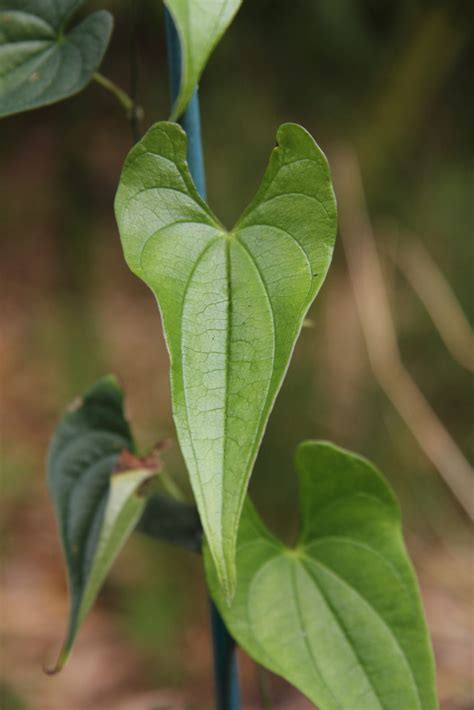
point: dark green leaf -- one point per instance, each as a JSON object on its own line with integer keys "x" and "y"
{"x": 41, "y": 62}
{"x": 94, "y": 481}
{"x": 339, "y": 615}
{"x": 171, "y": 520}
{"x": 233, "y": 302}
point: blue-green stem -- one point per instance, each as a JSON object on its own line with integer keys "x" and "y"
{"x": 225, "y": 663}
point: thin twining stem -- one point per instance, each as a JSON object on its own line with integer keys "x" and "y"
{"x": 133, "y": 111}
{"x": 122, "y": 97}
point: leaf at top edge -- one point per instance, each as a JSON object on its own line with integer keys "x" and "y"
{"x": 95, "y": 482}
{"x": 200, "y": 26}
{"x": 232, "y": 302}
{"x": 339, "y": 616}
{"x": 41, "y": 62}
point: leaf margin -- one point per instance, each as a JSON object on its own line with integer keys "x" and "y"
{"x": 291, "y": 138}
{"x": 115, "y": 513}
{"x": 427, "y": 696}
{"x": 98, "y": 19}
{"x": 189, "y": 83}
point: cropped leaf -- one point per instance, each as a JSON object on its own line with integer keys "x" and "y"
{"x": 200, "y": 25}
{"x": 41, "y": 63}
{"x": 339, "y": 615}
{"x": 95, "y": 484}
{"x": 232, "y": 302}
{"x": 171, "y": 520}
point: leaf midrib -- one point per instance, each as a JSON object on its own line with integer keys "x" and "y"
{"x": 307, "y": 562}
{"x": 264, "y": 407}
{"x": 302, "y": 625}
{"x": 184, "y": 390}
{"x": 228, "y": 236}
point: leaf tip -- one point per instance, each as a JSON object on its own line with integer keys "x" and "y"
{"x": 60, "y": 663}
{"x": 227, "y": 576}
{"x": 111, "y": 380}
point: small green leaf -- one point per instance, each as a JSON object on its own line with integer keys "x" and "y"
{"x": 200, "y": 26}
{"x": 339, "y": 616}
{"x": 233, "y": 303}
{"x": 41, "y": 63}
{"x": 94, "y": 482}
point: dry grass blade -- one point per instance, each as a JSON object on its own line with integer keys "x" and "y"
{"x": 432, "y": 288}
{"x": 380, "y": 334}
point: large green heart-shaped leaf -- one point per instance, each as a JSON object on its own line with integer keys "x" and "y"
{"x": 94, "y": 481}
{"x": 339, "y": 615}
{"x": 41, "y": 63}
{"x": 232, "y": 302}
{"x": 200, "y": 25}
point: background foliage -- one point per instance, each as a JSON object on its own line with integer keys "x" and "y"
{"x": 388, "y": 79}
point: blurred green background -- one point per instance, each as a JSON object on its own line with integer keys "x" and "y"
{"x": 387, "y": 82}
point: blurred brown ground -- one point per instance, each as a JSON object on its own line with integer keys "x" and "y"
{"x": 390, "y": 80}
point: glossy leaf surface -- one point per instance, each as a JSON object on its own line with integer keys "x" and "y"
{"x": 200, "y": 25}
{"x": 40, "y": 61}
{"x": 339, "y": 615}
{"x": 94, "y": 482}
{"x": 232, "y": 302}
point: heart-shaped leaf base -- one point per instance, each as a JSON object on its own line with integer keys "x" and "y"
{"x": 339, "y": 615}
